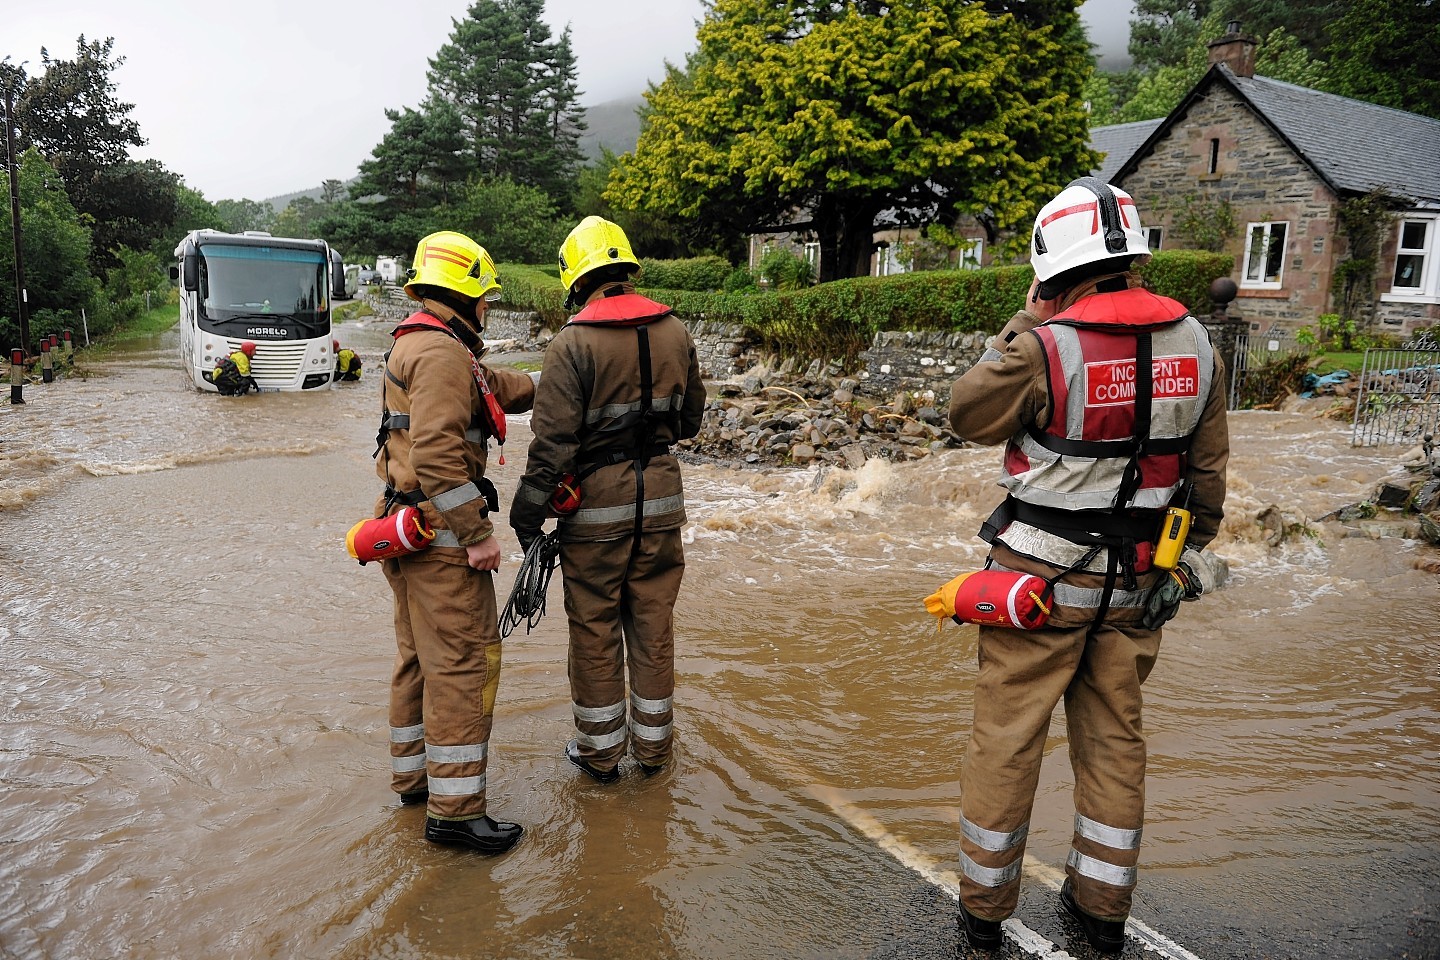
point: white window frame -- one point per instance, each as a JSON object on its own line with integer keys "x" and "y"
{"x": 1428, "y": 290}
{"x": 1266, "y": 229}
{"x": 811, "y": 253}
{"x": 887, "y": 264}
{"x": 972, "y": 255}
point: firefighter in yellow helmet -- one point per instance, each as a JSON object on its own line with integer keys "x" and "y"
{"x": 441, "y": 410}
{"x": 620, "y": 384}
{"x": 1111, "y": 404}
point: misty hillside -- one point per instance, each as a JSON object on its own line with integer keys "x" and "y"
{"x": 613, "y": 124}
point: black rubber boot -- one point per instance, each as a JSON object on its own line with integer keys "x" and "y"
{"x": 482, "y": 834}
{"x": 572, "y": 753}
{"x": 1107, "y": 936}
{"x": 417, "y": 796}
{"x": 982, "y": 934}
{"x": 650, "y": 769}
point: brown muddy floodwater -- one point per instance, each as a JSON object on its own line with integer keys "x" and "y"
{"x": 193, "y": 740}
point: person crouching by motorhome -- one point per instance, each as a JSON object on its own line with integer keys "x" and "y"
{"x": 620, "y": 384}
{"x": 231, "y": 375}
{"x": 347, "y": 363}
{"x": 441, "y": 409}
{"x": 1112, "y": 405}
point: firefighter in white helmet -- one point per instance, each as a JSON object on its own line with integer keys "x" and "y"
{"x": 1111, "y": 404}
{"x": 441, "y": 410}
{"x": 620, "y": 384}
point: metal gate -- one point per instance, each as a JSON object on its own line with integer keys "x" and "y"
{"x": 1399, "y": 394}
{"x": 1250, "y": 363}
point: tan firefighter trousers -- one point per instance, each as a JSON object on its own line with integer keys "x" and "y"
{"x": 442, "y": 691}
{"x": 1023, "y": 674}
{"x": 621, "y": 609}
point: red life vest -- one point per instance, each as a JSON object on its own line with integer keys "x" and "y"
{"x": 621, "y": 310}
{"x": 1077, "y": 461}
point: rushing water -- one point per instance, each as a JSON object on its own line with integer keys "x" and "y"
{"x": 193, "y": 755}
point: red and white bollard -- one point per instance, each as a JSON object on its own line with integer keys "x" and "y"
{"x": 47, "y": 362}
{"x": 17, "y": 376}
{"x": 69, "y": 345}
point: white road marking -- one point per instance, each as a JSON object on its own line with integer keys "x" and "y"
{"x": 947, "y": 880}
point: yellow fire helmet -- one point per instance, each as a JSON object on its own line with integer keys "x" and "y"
{"x": 594, "y": 243}
{"x": 455, "y": 262}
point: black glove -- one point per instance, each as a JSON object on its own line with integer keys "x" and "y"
{"x": 528, "y": 539}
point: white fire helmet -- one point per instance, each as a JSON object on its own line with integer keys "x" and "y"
{"x": 1087, "y": 222}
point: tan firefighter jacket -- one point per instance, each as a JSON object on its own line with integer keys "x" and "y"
{"x": 588, "y": 416}
{"x": 438, "y": 431}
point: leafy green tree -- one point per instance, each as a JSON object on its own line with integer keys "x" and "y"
{"x": 237, "y": 216}
{"x": 332, "y": 191}
{"x": 657, "y": 236}
{"x": 516, "y": 89}
{"x": 515, "y": 222}
{"x": 835, "y": 112}
{"x": 192, "y": 212}
{"x": 1163, "y": 32}
{"x": 1278, "y": 56}
{"x": 1385, "y": 52}
{"x": 133, "y": 204}
{"x": 55, "y": 246}
{"x": 71, "y": 114}
{"x": 419, "y": 162}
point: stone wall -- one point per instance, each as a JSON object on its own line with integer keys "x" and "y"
{"x": 916, "y": 362}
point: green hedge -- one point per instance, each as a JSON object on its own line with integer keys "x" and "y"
{"x": 534, "y": 288}
{"x": 697, "y": 273}
{"x": 840, "y": 319}
{"x": 1186, "y": 276}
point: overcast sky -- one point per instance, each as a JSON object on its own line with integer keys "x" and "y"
{"x": 268, "y": 97}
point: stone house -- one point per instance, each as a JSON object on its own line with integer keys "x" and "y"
{"x": 1281, "y": 160}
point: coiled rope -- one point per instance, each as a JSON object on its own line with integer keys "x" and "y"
{"x": 527, "y": 597}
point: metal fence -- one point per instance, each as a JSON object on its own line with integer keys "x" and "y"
{"x": 1398, "y": 398}
{"x": 1254, "y": 353}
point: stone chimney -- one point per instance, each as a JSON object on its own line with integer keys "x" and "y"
{"x": 1235, "y": 50}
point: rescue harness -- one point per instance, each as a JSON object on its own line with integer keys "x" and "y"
{"x": 631, "y": 438}
{"x": 1128, "y": 531}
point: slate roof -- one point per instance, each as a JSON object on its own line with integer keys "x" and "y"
{"x": 1118, "y": 142}
{"x": 1352, "y": 145}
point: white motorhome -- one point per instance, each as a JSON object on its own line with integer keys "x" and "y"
{"x": 389, "y": 269}
{"x": 273, "y": 291}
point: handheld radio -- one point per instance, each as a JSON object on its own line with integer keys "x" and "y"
{"x": 1174, "y": 528}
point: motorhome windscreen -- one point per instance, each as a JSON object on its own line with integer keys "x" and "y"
{"x": 248, "y": 282}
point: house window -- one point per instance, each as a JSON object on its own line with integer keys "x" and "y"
{"x": 888, "y": 262}
{"x": 1214, "y": 155}
{"x": 1265, "y": 255}
{"x": 812, "y": 256}
{"x": 972, "y": 255}
{"x": 1152, "y": 237}
{"x": 1417, "y": 260}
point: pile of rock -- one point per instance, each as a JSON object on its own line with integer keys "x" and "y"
{"x": 1408, "y": 506}
{"x": 775, "y": 418}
